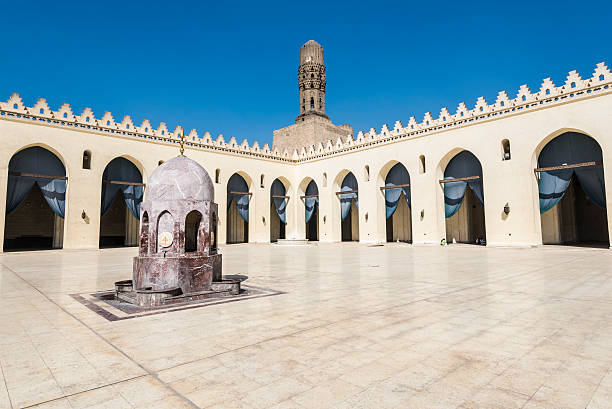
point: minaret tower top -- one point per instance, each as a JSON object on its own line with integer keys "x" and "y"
{"x": 311, "y": 80}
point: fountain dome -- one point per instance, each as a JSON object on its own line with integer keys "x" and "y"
{"x": 180, "y": 178}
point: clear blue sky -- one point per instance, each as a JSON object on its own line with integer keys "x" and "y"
{"x": 231, "y": 67}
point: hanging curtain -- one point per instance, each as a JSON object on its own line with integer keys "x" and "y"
{"x": 237, "y": 183}
{"x": 349, "y": 183}
{"x": 280, "y": 203}
{"x": 122, "y": 170}
{"x": 398, "y": 175}
{"x": 311, "y": 202}
{"x": 40, "y": 161}
{"x": 54, "y": 192}
{"x": 570, "y": 148}
{"x": 464, "y": 164}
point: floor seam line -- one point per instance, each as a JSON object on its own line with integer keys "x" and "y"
{"x": 85, "y": 391}
{"x": 150, "y": 373}
{"x": 8, "y": 395}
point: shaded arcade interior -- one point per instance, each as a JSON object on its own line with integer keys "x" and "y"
{"x": 35, "y": 201}
{"x": 464, "y": 200}
{"x": 349, "y": 208}
{"x": 278, "y": 211}
{"x": 397, "y": 205}
{"x": 238, "y": 198}
{"x": 572, "y": 191}
{"x": 311, "y": 210}
{"x": 122, "y": 194}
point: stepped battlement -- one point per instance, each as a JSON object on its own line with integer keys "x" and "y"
{"x": 574, "y": 88}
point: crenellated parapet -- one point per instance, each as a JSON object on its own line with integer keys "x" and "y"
{"x": 574, "y": 88}
{"x": 549, "y": 95}
{"x": 41, "y": 113}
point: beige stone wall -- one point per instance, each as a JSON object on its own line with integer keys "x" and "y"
{"x": 527, "y": 123}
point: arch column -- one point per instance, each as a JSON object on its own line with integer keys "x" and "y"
{"x": 328, "y": 205}
{"x": 367, "y": 211}
{"x": 221, "y": 200}
{"x": 294, "y": 229}
{"x": 608, "y": 182}
{"x": 504, "y": 183}
{"x": 81, "y": 195}
{"x": 425, "y": 196}
{"x": 259, "y": 232}
{"x": 299, "y": 210}
{"x": 3, "y": 191}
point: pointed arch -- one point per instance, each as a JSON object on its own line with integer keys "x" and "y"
{"x": 122, "y": 194}
{"x": 35, "y": 200}
{"x": 571, "y": 190}
{"x": 238, "y": 201}
{"x": 463, "y": 198}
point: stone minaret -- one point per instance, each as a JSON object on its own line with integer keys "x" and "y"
{"x": 312, "y": 126}
{"x": 311, "y": 80}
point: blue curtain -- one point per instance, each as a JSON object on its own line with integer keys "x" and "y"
{"x": 237, "y": 183}
{"x": 398, "y": 175}
{"x": 349, "y": 183}
{"x": 280, "y": 204}
{"x": 311, "y": 202}
{"x": 122, "y": 170}
{"x": 39, "y": 161}
{"x": 570, "y": 148}
{"x": 464, "y": 164}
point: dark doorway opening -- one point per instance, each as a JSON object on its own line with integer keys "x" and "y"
{"x": 118, "y": 227}
{"x": 312, "y": 227}
{"x": 575, "y": 220}
{"x": 33, "y": 225}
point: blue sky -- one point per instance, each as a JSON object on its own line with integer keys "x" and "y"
{"x": 231, "y": 67}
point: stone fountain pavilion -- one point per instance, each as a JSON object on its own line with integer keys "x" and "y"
{"x": 177, "y": 259}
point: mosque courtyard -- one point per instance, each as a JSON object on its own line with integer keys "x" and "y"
{"x": 328, "y": 326}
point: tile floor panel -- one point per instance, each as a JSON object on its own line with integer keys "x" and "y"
{"x": 397, "y": 326}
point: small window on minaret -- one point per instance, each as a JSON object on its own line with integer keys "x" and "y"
{"x": 312, "y": 103}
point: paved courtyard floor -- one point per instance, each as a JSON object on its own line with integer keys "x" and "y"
{"x": 354, "y": 326}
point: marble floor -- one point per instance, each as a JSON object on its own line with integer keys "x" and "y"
{"x": 355, "y": 326}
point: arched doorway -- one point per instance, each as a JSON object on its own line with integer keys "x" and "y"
{"x": 464, "y": 200}
{"x": 35, "y": 201}
{"x": 122, "y": 191}
{"x": 572, "y": 191}
{"x": 238, "y": 197}
{"x": 397, "y": 204}
{"x": 311, "y": 204}
{"x": 278, "y": 210}
{"x": 349, "y": 208}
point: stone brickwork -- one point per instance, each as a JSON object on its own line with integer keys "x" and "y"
{"x": 311, "y": 131}
{"x": 312, "y": 125}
